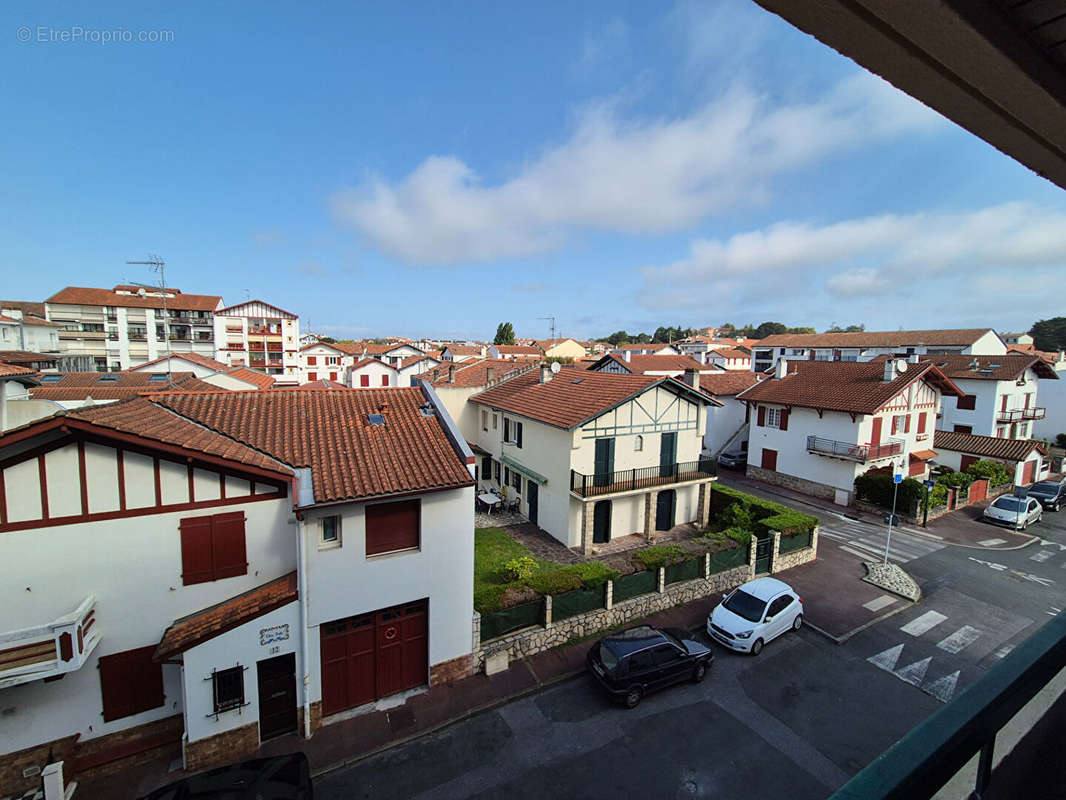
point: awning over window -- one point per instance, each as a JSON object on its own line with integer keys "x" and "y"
{"x": 923, "y": 455}
{"x": 533, "y": 476}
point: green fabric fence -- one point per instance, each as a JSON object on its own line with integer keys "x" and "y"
{"x": 727, "y": 559}
{"x": 795, "y": 542}
{"x": 634, "y": 585}
{"x": 685, "y": 571}
{"x": 506, "y": 620}
{"x": 578, "y": 601}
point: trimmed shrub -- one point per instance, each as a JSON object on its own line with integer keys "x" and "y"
{"x": 938, "y": 496}
{"x": 588, "y": 575}
{"x": 790, "y": 523}
{"x": 878, "y": 488}
{"x": 519, "y": 569}
{"x": 995, "y": 472}
{"x": 741, "y": 510}
{"x": 957, "y": 480}
{"x": 660, "y": 555}
{"x": 736, "y": 515}
{"x": 739, "y": 535}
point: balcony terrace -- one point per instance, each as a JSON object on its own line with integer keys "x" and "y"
{"x": 55, "y": 648}
{"x": 631, "y": 480}
{"x": 1020, "y": 414}
{"x": 854, "y": 452}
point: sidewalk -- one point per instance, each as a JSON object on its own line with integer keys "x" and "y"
{"x": 962, "y": 526}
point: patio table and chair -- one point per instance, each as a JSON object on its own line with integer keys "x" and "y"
{"x": 490, "y": 501}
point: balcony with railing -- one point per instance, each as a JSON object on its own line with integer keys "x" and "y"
{"x": 1020, "y": 414}
{"x": 854, "y": 452}
{"x": 632, "y": 480}
{"x": 51, "y": 649}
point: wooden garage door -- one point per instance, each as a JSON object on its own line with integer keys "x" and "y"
{"x": 1028, "y": 472}
{"x": 374, "y": 655}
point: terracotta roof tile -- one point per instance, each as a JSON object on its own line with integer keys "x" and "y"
{"x": 411, "y": 360}
{"x": 464, "y": 350}
{"x": 329, "y": 432}
{"x": 81, "y": 385}
{"x": 371, "y": 362}
{"x": 259, "y": 379}
{"x": 322, "y": 384}
{"x": 986, "y": 446}
{"x": 643, "y": 364}
{"x": 10, "y": 370}
{"x": 84, "y": 296}
{"x": 192, "y": 358}
{"x": 194, "y": 629}
{"x": 347, "y": 348}
{"x": 955, "y": 338}
{"x": 475, "y": 373}
{"x": 991, "y": 368}
{"x": 25, "y": 357}
{"x": 518, "y": 349}
{"x": 851, "y": 386}
{"x": 731, "y": 352}
{"x": 569, "y": 399}
{"x": 26, "y": 307}
{"x": 726, "y": 384}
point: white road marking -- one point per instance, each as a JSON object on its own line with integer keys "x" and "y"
{"x": 914, "y": 673}
{"x": 1041, "y": 555}
{"x": 960, "y": 639}
{"x": 871, "y": 538}
{"x": 1003, "y": 651}
{"x": 887, "y": 659}
{"x": 1052, "y": 612}
{"x": 1025, "y": 576}
{"x": 878, "y": 603}
{"x": 990, "y": 564}
{"x": 992, "y": 542}
{"x": 1046, "y": 543}
{"x": 943, "y": 688}
{"x": 863, "y": 556}
{"x": 924, "y": 623}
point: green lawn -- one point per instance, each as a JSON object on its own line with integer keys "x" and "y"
{"x": 493, "y": 548}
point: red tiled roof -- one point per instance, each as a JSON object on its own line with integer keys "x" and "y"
{"x": 518, "y": 349}
{"x": 81, "y": 385}
{"x": 36, "y": 309}
{"x": 463, "y": 350}
{"x": 329, "y": 432}
{"x": 142, "y": 417}
{"x": 851, "y": 386}
{"x": 725, "y": 384}
{"x": 192, "y": 358}
{"x": 730, "y": 352}
{"x": 228, "y": 310}
{"x": 570, "y": 398}
{"x": 923, "y": 455}
{"x": 992, "y": 368}
{"x": 10, "y": 370}
{"x": 347, "y": 348}
{"x": 986, "y": 446}
{"x": 8, "y": 321}
{"x": 411, "y": 360}
{"x": 251, "y": 376}
{"x": 474, "y": 373}
{"x": 371, "y": 361}
{"x": 322, "y": 384}
{"x": 644, "y": 364}
{"x": 83, "y": 296}
{"x": 194, "y": 629}
{"x": 956, "y": 338}
{"x": 25, "y": 357}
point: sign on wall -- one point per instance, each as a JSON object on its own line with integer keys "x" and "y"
{"x": 275, "y": 633}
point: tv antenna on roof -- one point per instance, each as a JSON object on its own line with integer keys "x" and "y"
{"x": 157, "y": 264}
{"x": 552, "y": 318}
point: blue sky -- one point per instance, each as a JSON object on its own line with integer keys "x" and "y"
{"x": 433, "y": 169}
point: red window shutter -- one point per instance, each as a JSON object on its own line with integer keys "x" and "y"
{"x": 392, "y": 526}
{"x": 921, "y": 422}
{"x": 761, "y": 420}
{"x": 769, "y": 460}
{"x": 1003, "y": 405}
{"x": 364, "y": 380}
{"x": 312, "y": 361}
{"x": 197, "y": 561}
{"x": 312, "y": 376}
{"x": 228, "y": 545}
{"x": 130, "y": 682}
{"x": 333, "y": 376}
{"x": 784, "y": 419}
{"x": 384, "y": 380}
{"x": 875, "y": 433}
{"x": 907, "y": 423}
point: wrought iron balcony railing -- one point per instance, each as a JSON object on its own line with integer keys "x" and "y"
{"x": 627, "y": 480}
{"x": 854, "y": 452}
{"x": 1020, "y": 414}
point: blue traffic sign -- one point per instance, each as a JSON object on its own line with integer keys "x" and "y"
{"x": 897, "y": 478}
{"x": 930, "y": 483}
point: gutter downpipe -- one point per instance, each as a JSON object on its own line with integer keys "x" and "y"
{"x": 303, "y": 626}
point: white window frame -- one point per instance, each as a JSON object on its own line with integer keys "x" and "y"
{"x": 773, "y": 418}
{"x": 323, "y": 542}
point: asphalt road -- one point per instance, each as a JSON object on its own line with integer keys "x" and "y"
{"x": 795, "y": 722}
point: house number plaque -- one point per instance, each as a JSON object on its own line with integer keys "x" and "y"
{"x": 275, "y": 633}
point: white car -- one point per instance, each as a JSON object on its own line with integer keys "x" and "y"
{"x": 753, "y": 614}
{"x": 1014, "y": 512}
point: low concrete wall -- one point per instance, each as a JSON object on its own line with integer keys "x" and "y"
{"x": 812, "y": 488}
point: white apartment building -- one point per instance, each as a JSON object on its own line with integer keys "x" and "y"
{"x": 868, "y": 345}
{"x": 270, "y": 581}
{"x": 816, "y": 426}
{"x": 629, "y": 363}
{"x": 122, "y": 327}
{"x": 261, "y": 336}
{"x": 20, "y": 330}
{"x": 1000, "y": 397}
{"x": 593, "y": 456}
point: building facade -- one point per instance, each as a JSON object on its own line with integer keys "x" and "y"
{"x": 261, "y": 336}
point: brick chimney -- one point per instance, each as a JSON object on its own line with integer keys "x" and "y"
{"x": 545, "y": 373}
{"x": 451, "y": 373}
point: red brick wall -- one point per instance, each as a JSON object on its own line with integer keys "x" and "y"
{"x": 448, "y": 671}
{"x": 225, "y": 748}
{"x": 12, "y": 764}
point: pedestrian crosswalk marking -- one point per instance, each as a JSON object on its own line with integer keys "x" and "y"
{"x": 880, "y": 602}
{"x": 960, "y": 639}
{"x": 887, "y": 659}
{"x": 1041, "y": 555}
{"x": 924, "y": 623}
{"x": 914, "y": 673}
{"x": 871, "y": 539}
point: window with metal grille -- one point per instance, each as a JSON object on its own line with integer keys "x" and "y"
{"x": 229, "y": 688}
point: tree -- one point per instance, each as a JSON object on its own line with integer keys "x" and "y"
{"x": 769, "y": 329}
{"x": 617, "y": 338}
{"x": 327, "y": 340}
{"x": 504, "y": 333}
{"x": 801, "y": 330}
{"x": 1049, "y": 334}
{"x": 855, "y": 329}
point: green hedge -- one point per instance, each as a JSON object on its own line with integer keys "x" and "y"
{"x": 727, "y": 559}
{"x": 957, "y": 480}
{"x": 660, "y": 555}
{"x": 996, "y": 473}
{"x": 756, "y": 513}
{"x": 796, "y": 541}
{"x": 577, "y": 602}
{"x": 503, "y": 622}
{"x": 685, "y": 571}
{"x": 634, "y": 585}
{"x": 588, "y": 575}
{"x": 878, "y": 488}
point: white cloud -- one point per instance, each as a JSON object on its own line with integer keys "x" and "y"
{"x": 603, "y": 45}
{"x": 635, "y": 176}
{"x": 948, "y": 255}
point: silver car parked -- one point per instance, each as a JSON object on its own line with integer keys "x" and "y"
{"x": 1014, "y": 512}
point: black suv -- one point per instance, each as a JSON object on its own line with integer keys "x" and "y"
{"x": 1051, "y": 494}
{"x": 639, "y": 660}
{"x": 278, "y": 778}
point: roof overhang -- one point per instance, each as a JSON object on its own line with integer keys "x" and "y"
{"x": 982, "y": 66}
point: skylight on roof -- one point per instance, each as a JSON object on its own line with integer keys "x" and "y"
{"x": 375, "y": 419}
{"x": 156, "y": 377}
{"x": 109, "y": 377}
{"x": 578, "y": 380}
{"x": 52, "y": 378}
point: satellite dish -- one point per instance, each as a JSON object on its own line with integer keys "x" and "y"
{"x": 142, "y": 292}
{"x": 555, "y": 367}
{"x": 901, "y": 364}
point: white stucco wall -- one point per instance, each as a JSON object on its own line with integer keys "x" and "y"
{"x": 723, "y": 423}
{"x": 989, "y": 396}
{"x": 376, "y": 370}
{"x": 1053, "y": 398}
